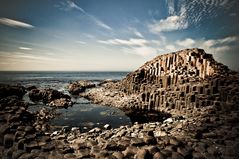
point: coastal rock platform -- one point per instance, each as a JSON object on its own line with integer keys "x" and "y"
{"x": 200, "y": 94}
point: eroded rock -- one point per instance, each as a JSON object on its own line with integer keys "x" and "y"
{"x": 80, "y": 86}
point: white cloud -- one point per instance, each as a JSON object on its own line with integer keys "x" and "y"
{"x": 136, "y": 32}
{"x": 89, "y": 36}
{"x": 72, "y": 5}
{"x": 160, "y": 41}
{"x": 171, "y": 23}
{"x": 188, "y": 42}
{"x": 15, "y": 23}
{"x": 100, "y": 23}
{"x": 229, "y": 39}
{"x": 20, "y": 56}
{"x": 171, "y": 7}
{"x": 142, "y": 50}
{"x": 130, "y": 42}
{"x": 209, "y": 43}
{"x": 141, "y": 47}
{"x": 223, "y": 41}
{"x": 204, "y": 9}
{"x": 170, "y": 47}
{"x": 25, "y": 48}
{"x": 215, "y": 46}
{"x": 221, "y": 49}
{"x": 81, "y": 42}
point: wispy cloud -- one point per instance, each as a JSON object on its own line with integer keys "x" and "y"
{"x": 80, "y": 42}
{"x": 142, "y": 50}
{"x": 90, "y": 36}
{"x": 215, "y": 46}
{"x": 170, "y": 47}
{"x": 130, "y": 42}
{"x": 171, "y": 23}
{"x": 181, "y": 13}
{"x": 136, "y": 32}
{"x": 21, "y": 56}
{"x": 188, "y": 42}
{"x": 100, "y": 23}
{"x": 15, "y": 23}
{"x": 207, "y": 9}
{"x": 72, "y": 5}
{"x": 25, "y": 48}
{"x": 171, "y": 7}
{"x": 135, "y": 46}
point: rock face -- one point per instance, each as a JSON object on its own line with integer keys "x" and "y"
{"x": 79, "y": 87}
{"x": 200, "y": 94}
{"x": 7, "y": 90}
{"x": 51, "y": 97}
{"x": 182, "y": 82}
{"x": 185, "y": 81}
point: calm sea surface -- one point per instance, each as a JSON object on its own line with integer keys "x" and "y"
{"x": 82, "y": 114}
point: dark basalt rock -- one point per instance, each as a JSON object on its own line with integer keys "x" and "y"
{"x": 46, "y": 95}
{"x": 29, "y": 88}
{"x": 78, "y": 87}
{"x": 11, "y": 90}
{"x": 51, "y": 97}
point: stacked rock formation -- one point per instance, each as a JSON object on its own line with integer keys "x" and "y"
{"x": 183, "y": 82}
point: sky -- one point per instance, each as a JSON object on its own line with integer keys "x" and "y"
{"x": 113, "y": 35}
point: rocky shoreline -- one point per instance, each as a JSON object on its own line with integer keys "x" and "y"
{"x": 212, "y": 134}
{"x": 200, "y": 114}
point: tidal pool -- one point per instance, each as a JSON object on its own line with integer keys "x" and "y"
{"x": 85, "y": 115}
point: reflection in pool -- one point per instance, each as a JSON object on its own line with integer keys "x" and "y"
{"x": 87, "y": 116}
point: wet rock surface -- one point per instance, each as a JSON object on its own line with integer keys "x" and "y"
{"x": 11, "y": 90}
{"x": 78, "y": 87}
{"x": 51, "y": 97}
{"x": 22, "y": 134}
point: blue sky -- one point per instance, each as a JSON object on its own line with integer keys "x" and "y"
{"x": 113, "y": 35}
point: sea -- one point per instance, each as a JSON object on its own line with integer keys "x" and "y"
{"x": 83, "y": 113}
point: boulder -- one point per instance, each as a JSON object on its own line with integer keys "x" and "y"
{"x": 29, "y": 88}
{"x": 8, "y": 140}
{"x": 142, "y": 154}
{"x": 11, "y": 90}
{"x": 51, "y": 97}
{"x": 62, "y": 102}
{"x": 80, "y": 86}
{"x": 107, "y": 126}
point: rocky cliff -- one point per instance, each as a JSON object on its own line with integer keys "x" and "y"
{"x": 201, "y": 94}
{"x": 181, "y": 82}
{"x": 185, "y": 80}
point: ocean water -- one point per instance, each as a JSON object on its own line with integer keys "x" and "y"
{"x": 55, "y": 79}
{"x": 82, "y": 114}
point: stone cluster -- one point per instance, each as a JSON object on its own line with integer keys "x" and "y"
{"x": 7, "y": 90}
{"x": 184, "y": 81}
{"x": 23, "y": 135}
{"x": 50, "y": 97}
{"x": 19, "y": 137}
{"x": 208, "y": 136}
{"x": 189, "y": 83}
{"x": 78, "y": 87}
